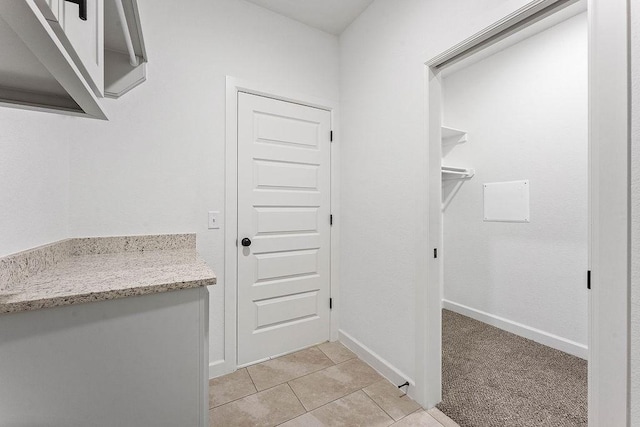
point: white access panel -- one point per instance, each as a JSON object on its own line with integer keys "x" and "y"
{"x": 506, "y": 201}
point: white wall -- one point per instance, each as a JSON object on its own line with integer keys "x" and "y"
{"x": 635, "y": 215}
{"x": 381, "y": 88}
{"x": 382, "y": 104}
{"x": 526, "y": 112}
{"x": 34, "y": 180}
{"x": 157, "y": 166}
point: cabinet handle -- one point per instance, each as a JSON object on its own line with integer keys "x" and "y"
{"x": 82, "y": 4}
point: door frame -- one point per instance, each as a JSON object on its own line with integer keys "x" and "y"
{"x": 233, "y": 87}
{"x": 609, "y": 212}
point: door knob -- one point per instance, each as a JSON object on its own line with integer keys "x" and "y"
{"x": 246, "y": 242}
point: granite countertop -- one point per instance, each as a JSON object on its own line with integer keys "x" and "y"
{"x": 84, "y": 270}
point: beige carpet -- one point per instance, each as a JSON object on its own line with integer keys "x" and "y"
{"x": 493, "y": 378}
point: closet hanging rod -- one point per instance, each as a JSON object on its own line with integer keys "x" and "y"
{"x": 133, "y": 59}
{"x": 461, "y": 172}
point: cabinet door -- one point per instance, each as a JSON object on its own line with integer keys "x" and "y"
{"x": 86, "y": 39}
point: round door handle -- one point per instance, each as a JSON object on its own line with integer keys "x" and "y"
{"x": 246, "y": 242}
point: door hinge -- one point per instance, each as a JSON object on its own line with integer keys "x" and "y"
{"x": 435, "y": 252}
{"x": 331, "y": 219}
{"x": 330, "y": 303}
{"x": 331, "y": 136}
{"x": 588, "y": 279}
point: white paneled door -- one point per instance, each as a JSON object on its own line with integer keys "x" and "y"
{"x": 284, "y": 180}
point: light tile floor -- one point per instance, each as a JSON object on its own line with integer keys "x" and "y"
{"x": 325, "y": 385}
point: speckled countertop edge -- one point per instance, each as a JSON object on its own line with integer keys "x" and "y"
{"x": 76, "y": 271}
{"x": 60, "y": 301}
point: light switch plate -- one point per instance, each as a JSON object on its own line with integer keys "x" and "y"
{"x": 213, "y": 220}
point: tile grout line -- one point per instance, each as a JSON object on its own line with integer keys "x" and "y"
{"x": 420, "y": 409}
{"x": 288, "y": 383}
{"x": 326, "y": 355}
{"x": 393, "y": 420}
{"x": 301, "y": 404}
{"x": 324, "y": 404}
{"x": 252, "y": 381}
{"x": 305, "y": 408}
{"x": 266, "y": 389}
{"x": 285, "y": 382}
{"x": 338, "y": 398}
{"x": 252, "y": 394}
{"x": 242, "y": 397}
{"x": 285, "y": 355}
{"x": 329, "y": 403}
{"x": 344, "y": 395}
{"x": 292, "y": 379}
{"x": 235, "y": 400}
{"x": 298, "y": 397}
{"x": 319, "y": 370}
{"x": 437, "y": 420}
{"x": 355, "y": 356}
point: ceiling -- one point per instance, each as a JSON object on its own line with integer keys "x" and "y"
{"x": 332, "y": 16}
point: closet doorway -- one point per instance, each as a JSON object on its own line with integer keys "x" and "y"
{"x": 515, "y": 229}
{"x": 513, "y": 203}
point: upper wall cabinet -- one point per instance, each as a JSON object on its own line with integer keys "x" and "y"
{"x": 64, "y": 55}
{"x": 79, "y": 24}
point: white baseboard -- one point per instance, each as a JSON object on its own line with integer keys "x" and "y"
{"x": 219, "y": 368}
{"x": 542, "y": 337}
{"x": 383, "y": 367}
